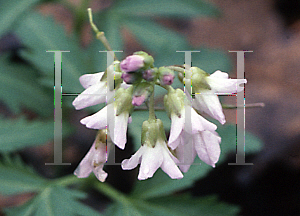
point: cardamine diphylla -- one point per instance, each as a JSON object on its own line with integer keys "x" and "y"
{"x": 134, "y": 80}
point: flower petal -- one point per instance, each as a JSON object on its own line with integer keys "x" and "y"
{"x": 100, "y": 173}
{"x": 135, "y": 159}
{"x": 97, "y": 120}
{"x": 124, "y": 85}
{"x": 151, "y": 161}
{"x": 219, "y": 75}
{"x": 200, "y": 124}
{"x": 175, "y": 143}
{"x": 85, "y": 167}
{"x": 93, "y": 95}
{"x": 88, "y": 80}
{"x": 168, "y": 165}
{"x": 186, "y": 156}
{"x": 207, "y": 145}
{"x": 220, "y": 83}
{"x": 209, "y": 103}
{"x": 120, "y": 129}
{"x": 177, "y": 125}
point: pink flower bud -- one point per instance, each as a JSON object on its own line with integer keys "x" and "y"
{"x": 132, "y": 63}
{"x": 127, "y": 77}
{"x": 168, "y": 79}
{"x": 138, "y": 100}
{"x": 149, "y": 75}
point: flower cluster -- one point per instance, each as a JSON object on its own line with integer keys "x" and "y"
{"x": 134, "y": 81}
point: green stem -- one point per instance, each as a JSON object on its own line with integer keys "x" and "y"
{"x": 104, "y": 188}
{"x": 151, "y": 107}
{"x": 99, "y": 34}
{"x": 176, "y": 68}
{"x": 112, "y": 193}
{"x": 67, "y": 180}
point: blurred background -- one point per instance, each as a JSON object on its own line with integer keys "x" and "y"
{"x": 270, "y": 28}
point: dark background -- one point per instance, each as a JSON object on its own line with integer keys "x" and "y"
{"x": 271, "y": 29}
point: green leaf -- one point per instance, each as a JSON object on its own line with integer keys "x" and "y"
{"x": 20, "y": 133}
{"x": 54, "y": 200}
{"x": 211, "y": 60}
{"x": 156, "y": 38}
{"x": 161, "y": 184}
{"x": 118, "y": 209}
{"x": 19, "y": 88}
{"x": 40, "y": 34}
{"x": 16, "y": 177}
{"x": 11, "y": 12}
{"x": 165, "y": 8}
{"x": 179, "y": 205}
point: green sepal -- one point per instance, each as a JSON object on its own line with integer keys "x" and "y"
{"x": 164, "y": 71}
{"x": 143, "y": 88}
{"x": 148, "y": 59}
{"x": 123, "y": 100}
{"x": 174, "y": 102}
{"x": 115, "y": 67}
{"x": 198, "y": 80}
{"x": 152, "y": 131}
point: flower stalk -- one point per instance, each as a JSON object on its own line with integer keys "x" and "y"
{"x": 151, "y": 108}
{"x": 99, "y": 34}
{"x": 191, "y": 135}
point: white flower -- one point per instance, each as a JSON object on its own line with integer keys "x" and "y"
{"x": 198, "y": 123}
{"x": 115, "y": 123}
{"x": 153, "y": 153}
{"x": 207, "y": 101}
{"x": 205, "y": 141}
{"x": 93, "y": 161}
{"x": 205, "y": 144}
{"x": 95, "y": 90}
{"x": 151, "y": 158}
{"x": 94, "y": 93}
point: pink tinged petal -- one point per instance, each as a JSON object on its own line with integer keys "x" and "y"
{"x": 88, "y": 80}
{"x": 181, "y": 153}
{"x": 207, "y": 145}
{"x": 209, "y": 104}
{"x": 168, "y": 165}
{"x": 125, "y": 85}
{"x": 200, "y": 124}
{"x": 97, "y": 120}
{"x": 177, "y": 125}
{"x": 83, "y": 170}
{"x": 220, "y": 83}
{"x": 175, "y": 143}
{"x": 85, "y": 167}
{"x": 100, "y": 154}
{"x": 135, "y": 159}
{"x": 151, "y": 161}
{"x": 100, "y": 173}
{"x": 93, "y": 95}
{"x": 120, "y": 129}
{"x": 219, "y": 75}
{"x": 138, "y": 100}
{"x": 129, "y": 120}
